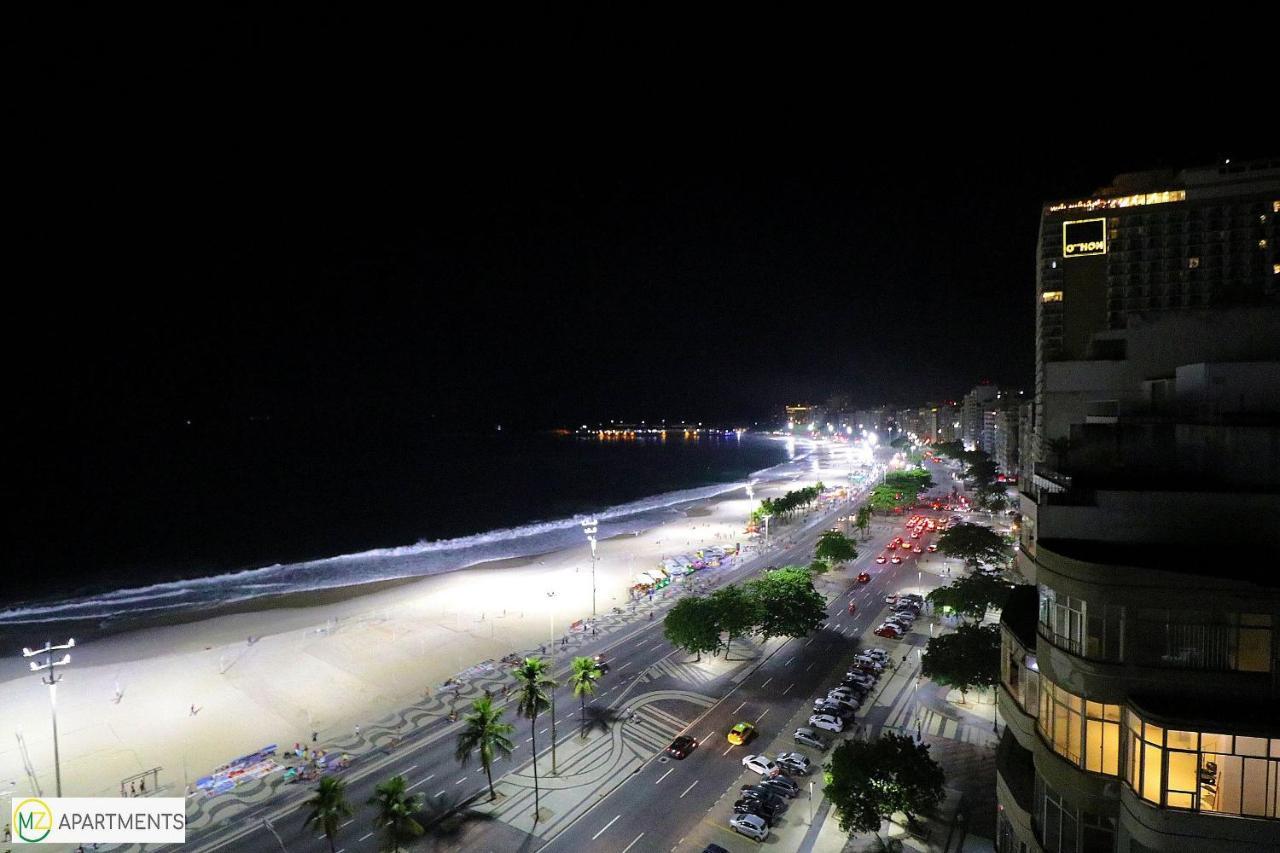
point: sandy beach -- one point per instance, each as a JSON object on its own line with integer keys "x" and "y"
{"x": 125, "y": 705}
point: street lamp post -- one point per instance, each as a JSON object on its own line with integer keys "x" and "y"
{"x": 589, "y": 527}
{"x": 766, "y": 518}
{"x": 52, "y": 680}
{"x": 551, "y": 619}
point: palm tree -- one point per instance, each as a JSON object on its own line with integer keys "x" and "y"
{"x": 486, "y": 733}
{"x": 329, "y": 807}
{"x": 584, "y": 676}
{"x": 395, "y": 812}
{"x": 532, "y": 682}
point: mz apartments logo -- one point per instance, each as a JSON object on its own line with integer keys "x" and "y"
{"x": 32, "y": 820}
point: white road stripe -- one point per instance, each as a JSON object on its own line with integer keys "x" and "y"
{"x": 789, "y": 660}
{"x": 686, "y": 790}
{"x": 739, "y": 708}
{"x": 665, "y": 775}
{"x": 766, "y": 684}
{"x": 628, "y": 847}
{"x": 363, "y": 837}
{"x": 761, "y": 717}
{"x": 788, "y": 690}
{"x": 606, "y": 826}
{"x": 416, "y": 784}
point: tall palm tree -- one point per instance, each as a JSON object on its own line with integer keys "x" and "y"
{"x": 485, "y": 733}
{"x": 583, "y": 677}
{"x": 532, "y": 683}
{"x": 329, "y": 807}
{"x": 395, "y": 812}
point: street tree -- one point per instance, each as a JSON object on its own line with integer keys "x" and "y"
{"x": 485, "y": 733}
{"x": 973, "y": 543}
{"x": 692, "y": 625}
{"x": 970, "y": 595}
{"x": 532, "y": 685}
{"x": 329, "y": 808}
{"x": 735, "y": 613}
{"x": 964, "y": 660}
{"x": 863, "y": 520}
{"x": 870, "y": 781}
{"x": 787, "y": 604}
{"x": 583, "y": 678}
{"x": 834, "y": 547}
{"x": 394, "y": 813}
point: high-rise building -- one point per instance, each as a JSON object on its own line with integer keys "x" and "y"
{"x": 1151, "y": 243}
{"x": 1005, "y": 435}
{"x": 948, "y": 422}
{"x": 1140, "y": 675}
{"x": 972, "y": 413}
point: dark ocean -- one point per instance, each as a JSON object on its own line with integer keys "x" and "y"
{"x": 215, "y": 516}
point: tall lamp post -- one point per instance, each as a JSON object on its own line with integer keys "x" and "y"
{"x": 52, "y": 680}
{"x": 589, "y": 527}
{"x": 551, "y": 596}
{"x": 766, "y": 518}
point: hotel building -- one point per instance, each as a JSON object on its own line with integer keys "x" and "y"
{"x": 1140, "y": 670}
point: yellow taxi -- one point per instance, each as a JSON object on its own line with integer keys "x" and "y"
{"x": 741, "y": 733}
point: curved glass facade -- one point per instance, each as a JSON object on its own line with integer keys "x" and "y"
{"x": 1083, "y": 732}
{"x": 1203, "y": 771}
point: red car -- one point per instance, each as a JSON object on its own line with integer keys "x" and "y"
{"x": 863, "y": 577}
{"x": 892, "y": 632}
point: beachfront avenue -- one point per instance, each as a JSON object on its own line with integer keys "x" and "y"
{"x": 609, "y": 785}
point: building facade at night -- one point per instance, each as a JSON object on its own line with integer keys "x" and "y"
{"x": 1140, "y": 672}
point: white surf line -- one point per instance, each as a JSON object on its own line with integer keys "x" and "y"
{"x": 606, "y": 826}
{"x": 686, "y": 790}
{"x": 665, "y": 775}
{"x": 624, "y": 849}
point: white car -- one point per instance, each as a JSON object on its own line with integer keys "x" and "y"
{"x": 761, "y": 764}
{"x": 750, "y": 825}
{"x": 874, "y": 652}
{"x": 848, "y": 705}
{"x": 827, "y": 722}
{"x": 844, "y": 694}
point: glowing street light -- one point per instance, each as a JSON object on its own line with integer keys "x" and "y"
{"x": 52, "y": 680}
{"x": 589, "y": 527}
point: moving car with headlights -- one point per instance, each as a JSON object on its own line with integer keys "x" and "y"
{"x": 741, "y": 733}
{"x": 682, "y": 746}
{"x": 864, "y": 577}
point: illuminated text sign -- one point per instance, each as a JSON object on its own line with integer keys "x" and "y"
{"x": 1084, "y": 237}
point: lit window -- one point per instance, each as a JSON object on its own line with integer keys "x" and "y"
{"x": 1193, "y": 263}
{"x": 1275, "y": 207}
{"x": 1262, "y": 244}
{"x": 1275, "y": 268}
{"x": 1051, "y": 296}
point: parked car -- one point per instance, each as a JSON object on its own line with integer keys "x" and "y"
{"x": 779, "y": 785}
{"x": 764, "y": 795}
{"x": 843, "y": 693}
{"x": 750, "y": 825}
{"x": 874, "y": 651}
{"x": 833, "y": 709}
{"x": 809, "y": 737}
{"x": 756, "y": 807}
{"x": 794, "y": 762}
{"x": 761, "y": 764}
{"x": 892, "y": 632}
{"x": 827, "y": 722}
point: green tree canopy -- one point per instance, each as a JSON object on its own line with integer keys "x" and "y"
{"x": 973, "y": 543}
{"x": 394, "y": 813}
{"x": 736, "y": 613}
{"x": 583, "y": 678}
{"x": 834, "y": 547}
{"x": 787, "y": 604}
{"x": 949, "y": 449}
{"x": 868, "y": 781}
{"x": 970, "y": 595}
{"x": 328, "y": 808}
{"x": 484, "y": 733}
{"x": 693, "y": 625}
{"x": 863, "y": 520}
{"x": 964, "y": 660}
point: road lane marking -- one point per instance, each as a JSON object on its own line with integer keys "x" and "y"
{"x": 440, "y": 793}
{"x": 686, "y": 790}
{"x": 811, "y": 639}
{"x": 460, "y": 781}
{"x": 633, "y": 843}
{"x": 761, "y": 717}
{"x": 739, "y": 708}
{"x": 708, "y": 735}
{"x": 416, "y": 784}
{"x": 727, "y": 750}
{"x": 625, "y": 665}
{"x": 665, "y": 775}
{"x": 789, "y": 660}
{"x": 363, "y": 837}
{"x": 766, "y": 684}
{"x": 788, "y": 690}
{"x": 809, "y": 667}
{"x": 606, "y": 826}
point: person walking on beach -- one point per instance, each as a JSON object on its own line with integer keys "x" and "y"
{"x": 357, "y": 730}
{"x": 142, "y": 786}
{"x": 133, "y": 791}
{"x": 315, "y": 736}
